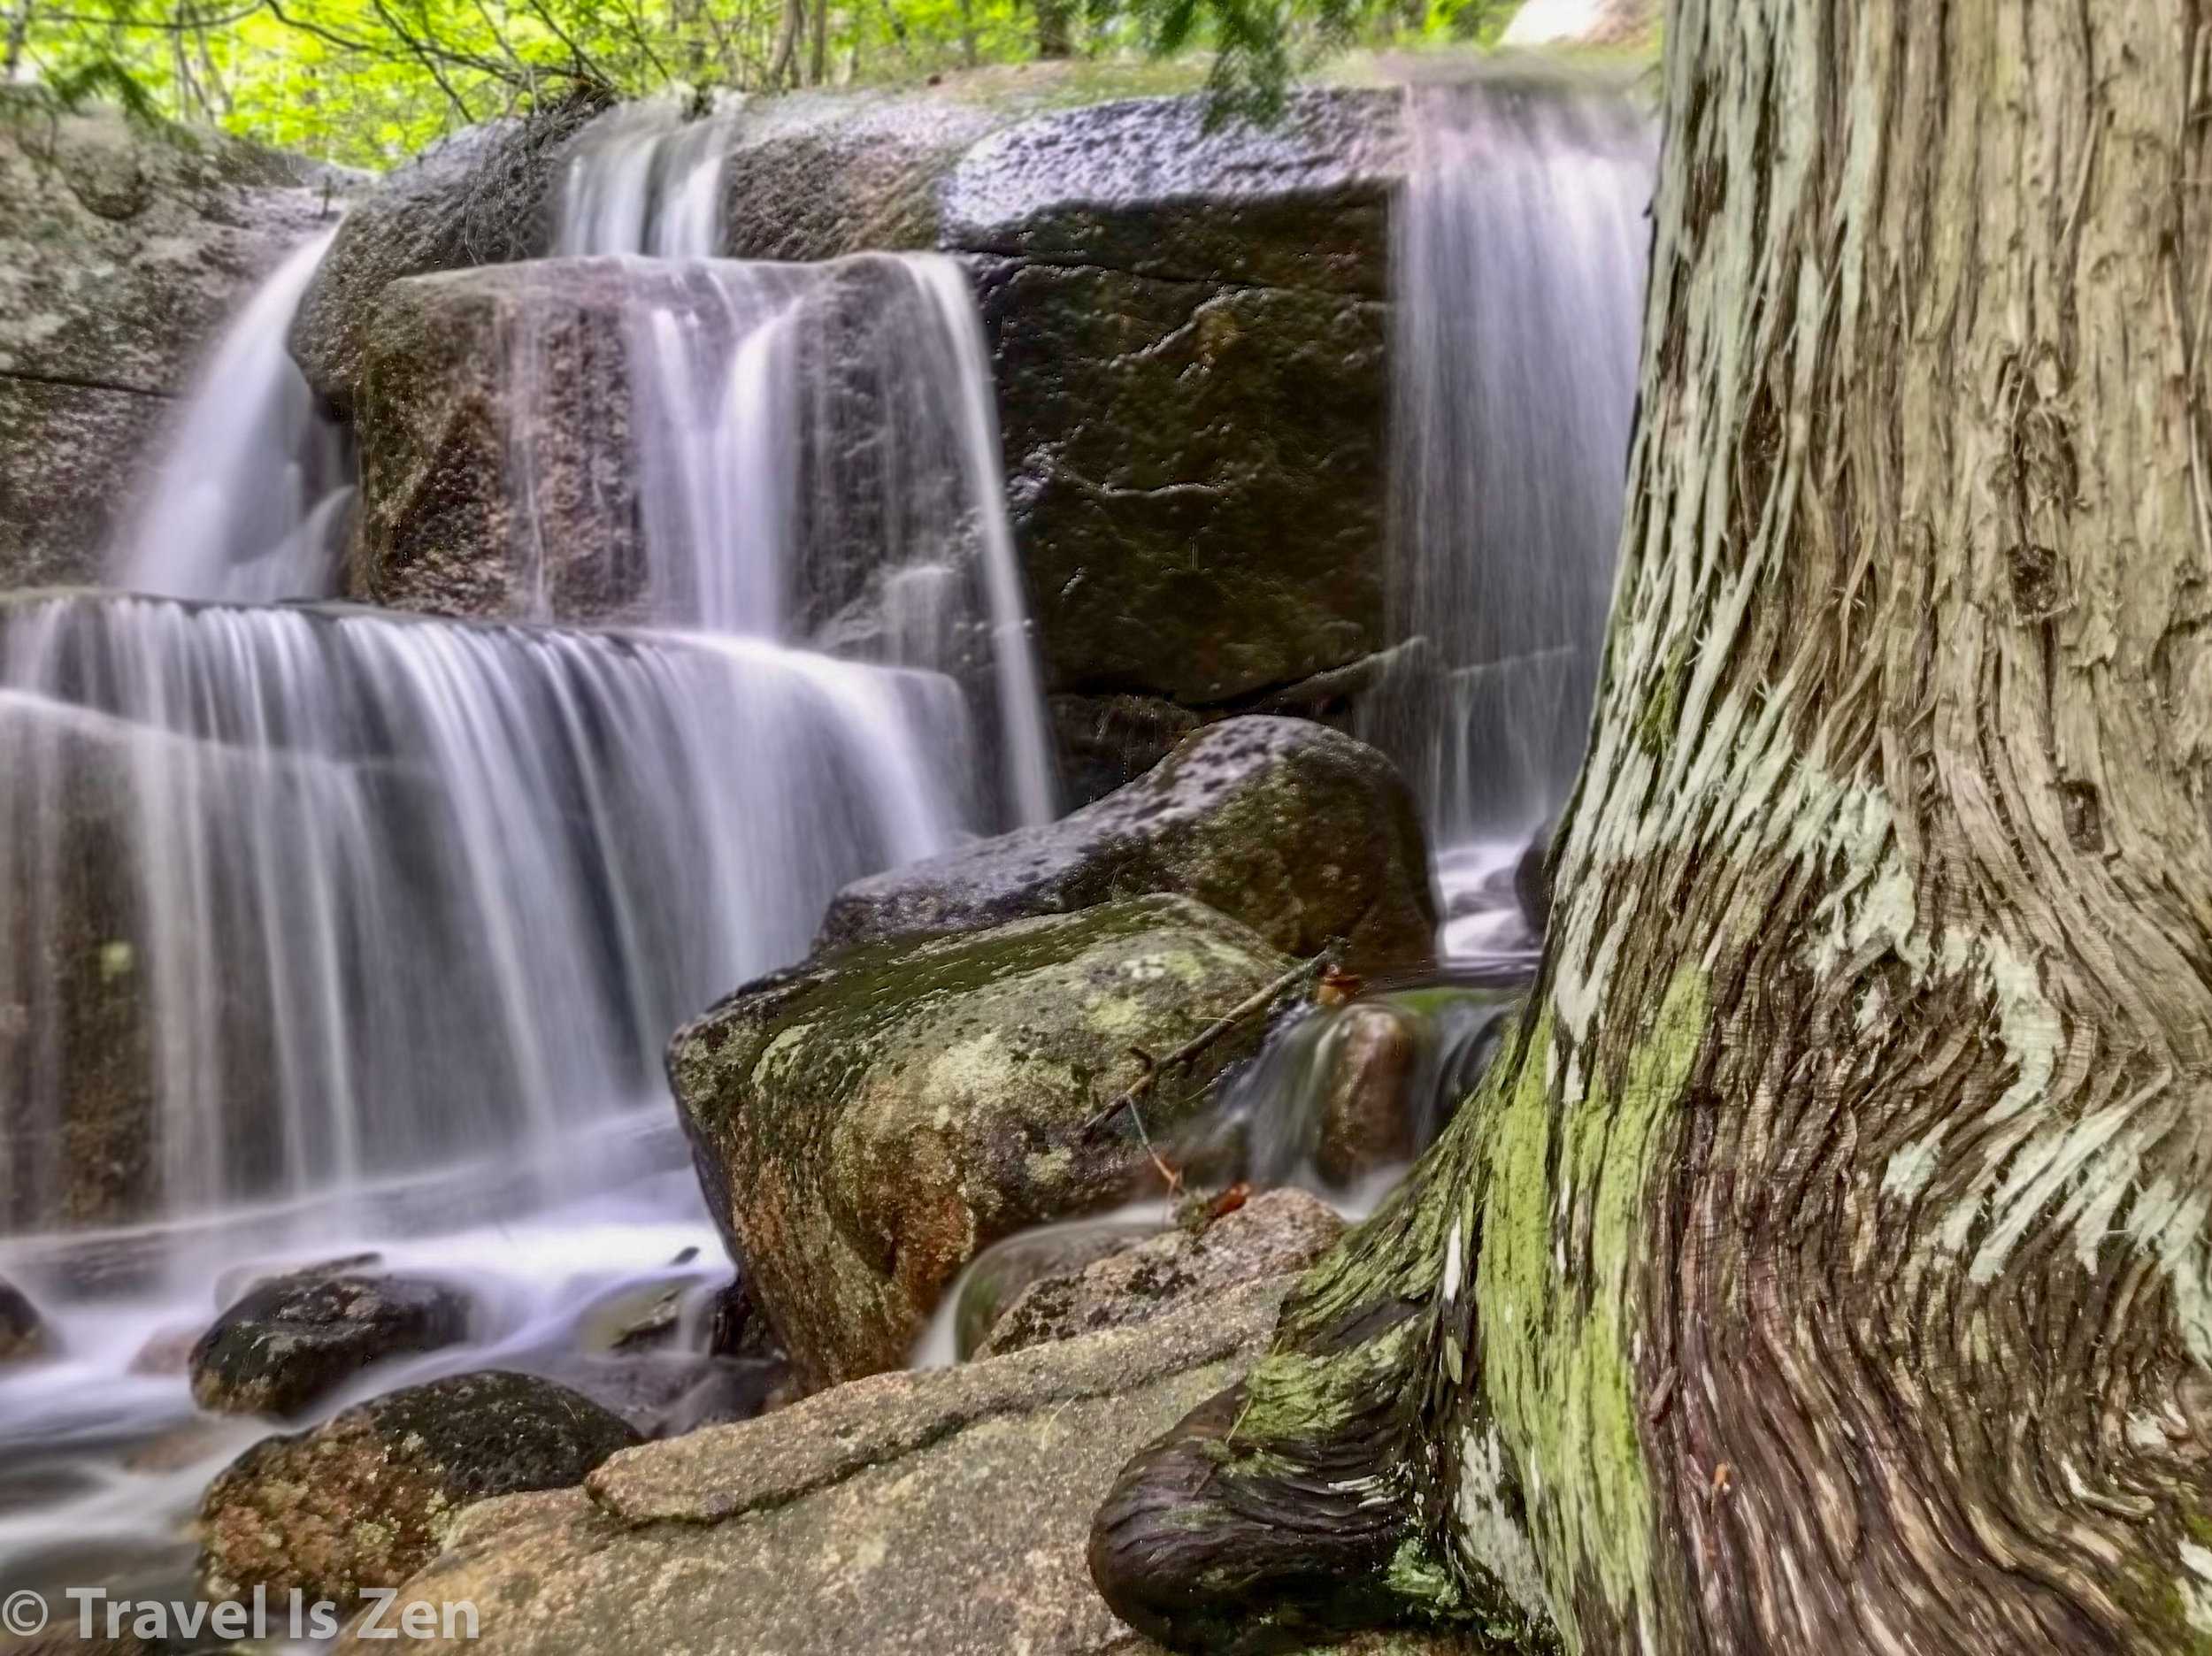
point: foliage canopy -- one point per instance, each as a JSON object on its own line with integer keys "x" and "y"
{"x": 367, "y": 82}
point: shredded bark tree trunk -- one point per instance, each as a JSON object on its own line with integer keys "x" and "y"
{"x": 1824, "y": 1267}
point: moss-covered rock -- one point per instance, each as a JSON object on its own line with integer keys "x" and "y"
{"x": 866, "y": 1122}
{"x": 295, "y": 1338}
{"x": 935, "y": 1513}
{"x": 79, "y": 1145}
{"x": 368, "y": 1498}
{"x": 1307, "y": 836}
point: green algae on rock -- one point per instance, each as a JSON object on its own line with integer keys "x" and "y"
{"x": 867, "y": 1122}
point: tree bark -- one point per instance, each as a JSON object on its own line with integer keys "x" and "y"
{"x": 1825, "y": 1268}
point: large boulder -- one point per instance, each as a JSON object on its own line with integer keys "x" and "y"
{"x": 484, "y": 196}
{"x": 124, "y": 247}
{"x": 366, "y": 1498}
{"x": 295, "y": 1338}
{"x": 1306, "y": 835}
{"x": 936, "y": 1513}
{"x": 1188, "y": 330}
{"x": 866, "y": 1122}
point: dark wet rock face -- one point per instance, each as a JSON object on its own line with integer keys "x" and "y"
{"x": 368, "y": 1498}
{"x": 124, "y": 249}
{"x": 485, "y": 196}
{"x": 1270, "y": 1235}
{"x": 293, "y": 1340}
{"x": 1304, "y": 834}
{"x": 1188, "y": 330}
{"x": 77, "y": 1095}
{"x": 23, "y": 1331}
{"x": 868, "y": 1122}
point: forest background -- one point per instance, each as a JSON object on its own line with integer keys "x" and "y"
{"x": 366, "y": 83}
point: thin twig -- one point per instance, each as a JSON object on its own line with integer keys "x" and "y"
{"x": 1205, "y": 1037}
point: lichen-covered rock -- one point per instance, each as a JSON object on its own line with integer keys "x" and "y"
{"x": 298, "y": 1337}
{"x": 367, "y": 1498}
{"x": 1189, "y": 334}
{"x": 943, "y": 1513}
{"x": 1306, "y": 835}
{"x": 23, "y": 1331}
{"x": 866, "y": 1122}
{"x": 1274, "y": 1233}
{"x": 125, "y": 246}
{"x": 484, "y": 196}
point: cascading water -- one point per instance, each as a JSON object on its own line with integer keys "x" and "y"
{"x": 324, "y": 931}
{"x": 248, "y": 504}
{"x": 1519, "y": 258}
{"x": 817, "y": 444}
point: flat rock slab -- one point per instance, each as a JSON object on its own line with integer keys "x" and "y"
{"x": 939, "y": 1513}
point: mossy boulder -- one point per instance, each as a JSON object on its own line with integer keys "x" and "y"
{"x": 1304, "y": 834}
{"x": 294, "y": 1339}
{"x": 369, "y": 1497}
{"x": 867, "y": 1122}
{"x": 23, "y": 1331}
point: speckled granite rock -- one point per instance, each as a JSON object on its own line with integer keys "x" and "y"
{"x": 124, "y": 249}
{"x": 935, "y": 1513}
{"x": 366, "y": 1498}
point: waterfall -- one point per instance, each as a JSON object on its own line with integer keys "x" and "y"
{"x": 394, "y": 892}
{"x": 816, "y": 445}
{"x": 1519, "y": 256}
{"x": 248, "y": 502}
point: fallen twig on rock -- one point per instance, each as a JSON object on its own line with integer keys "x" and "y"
{"x": 1155, "y": 1067}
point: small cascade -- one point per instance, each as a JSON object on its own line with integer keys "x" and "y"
{"x": 816, "y": 445}
{"x": 248, "y": 500}
{"x": 647, "y": 178}
{"x": 377, "y": 893}
{"x": 1519, "y": 256}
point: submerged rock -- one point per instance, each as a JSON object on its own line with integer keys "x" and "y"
{"x": 943, "y": 1513}
{"x": 1271, "y": 1234}
{"x": 23, "y": 1331}
{"x": 1303, "y": 833}
{"x": 868, "y": 1122}
{"x": 125, "y": 246}
{"x": 295, "y": 1338}
{"x": 368, "y": 1498}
